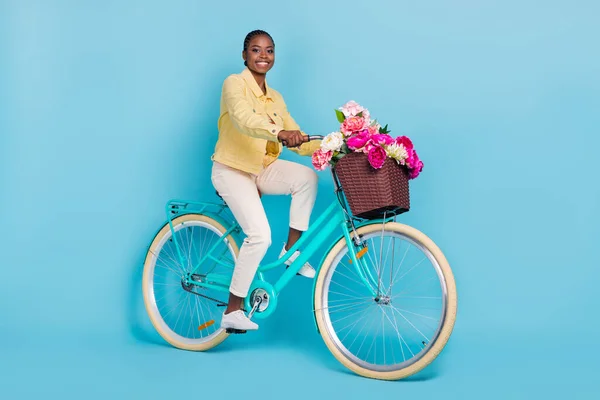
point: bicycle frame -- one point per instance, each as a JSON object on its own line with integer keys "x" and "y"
{"x": 326, "y": 224}
{"x": 336, "y": 216}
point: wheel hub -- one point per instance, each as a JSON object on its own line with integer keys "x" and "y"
{"x": 383, "y": 300}
{"x": 187, "y": 285}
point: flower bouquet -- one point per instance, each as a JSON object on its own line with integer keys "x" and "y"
{"x": 359, "y": 134}
{"x": 372, "y": 167}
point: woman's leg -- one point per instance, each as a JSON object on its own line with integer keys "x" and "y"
{"x": 239, "y": 191}
{"x": 299, "y": 181}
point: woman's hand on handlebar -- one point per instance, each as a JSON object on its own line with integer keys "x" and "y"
{"x": 291, "y": 138}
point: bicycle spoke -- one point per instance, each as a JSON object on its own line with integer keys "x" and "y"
{"x": 383, "y": 332}
{"x": 169, "y": 268}
{"x": 399, "y": 266}
{"x": 377, "y": 266}
{"x": 179, "y": 316}
{"x": 419, "y": 315}
{"x": 353, "y": 324}
{"x": 400, "y": 337}
{"x": 417, "y": 297}
{"x": 411, "y": 289}
{"x": 411, "y": 324}
{"x": 353, "y": 298}
{"x": 346, "y": 317}
{"x": 361, "y": 345}
{"x": 373, "y": 343}
{"x": 384, "y": 262}
{"x": 409, "y": 271}
{"x": 353, "y": 291}
{"x": 353, "y": 280}
{"x": 189, "y": 308}
{"x": 343, "y": 308}
{"x": 190, "y": 245}
{"x": 174, "y": 308}
{"x": 171, "y": 257}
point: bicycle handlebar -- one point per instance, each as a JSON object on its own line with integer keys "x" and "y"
{"x": 308, "y": 138}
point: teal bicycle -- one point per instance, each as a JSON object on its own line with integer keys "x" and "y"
{"x": 384, "y": 297}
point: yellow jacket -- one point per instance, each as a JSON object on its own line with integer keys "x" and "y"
{"x": 249, "y": 123}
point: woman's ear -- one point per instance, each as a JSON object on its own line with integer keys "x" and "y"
{"x": 244, "y": 57}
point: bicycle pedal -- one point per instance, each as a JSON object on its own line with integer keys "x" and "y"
{"x": 235, "y": 331}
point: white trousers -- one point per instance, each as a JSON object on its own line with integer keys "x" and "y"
{"x": 239, "y": 190}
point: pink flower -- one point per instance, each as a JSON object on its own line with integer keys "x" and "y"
{"x": 353, "y": 124}
{"x": 406, "y": 142}
{"x": 377, "y": 157}
{"x": 352, "y": 109}
{"x": 373, "y": 129}
{"x": 413, "y": 159}
{"x": 359, "y": 140}
{"x": 321, "y": 158}
{"x": 413, "y": 173}
{"x": 414, "y": 164}
{"x": 382, "y": 138}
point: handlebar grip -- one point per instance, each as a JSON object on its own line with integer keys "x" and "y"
{"x": 308, "y": 139}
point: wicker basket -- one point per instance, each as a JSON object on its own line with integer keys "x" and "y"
{"x": 370, "y": 192}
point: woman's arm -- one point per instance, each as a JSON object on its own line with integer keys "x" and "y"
{"x": 242, "y": 114}
{"x": 306, "y": 149}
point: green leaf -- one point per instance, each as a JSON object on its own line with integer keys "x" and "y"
{"x": 384, "y": 129}
{"x": 344, "y": 148}
{"x": 360, "y": 114}
{"x": 340, "y": 116}
{"x": 337, "y": 157}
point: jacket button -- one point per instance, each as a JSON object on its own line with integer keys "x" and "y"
{"x": 275, "y": 114}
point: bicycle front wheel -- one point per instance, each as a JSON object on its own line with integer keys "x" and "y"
{"x": 186, "y": 315}
{"x": 393, "y": 317}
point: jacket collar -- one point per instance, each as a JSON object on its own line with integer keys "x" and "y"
{"x": 250, "y": 81}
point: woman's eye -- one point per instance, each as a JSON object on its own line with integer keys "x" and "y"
{"x": 270, "y": 51}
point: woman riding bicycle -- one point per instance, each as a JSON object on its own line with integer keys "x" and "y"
{"x": 253, "y": 123}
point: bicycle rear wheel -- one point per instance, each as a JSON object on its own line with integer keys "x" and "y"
{"x": 186, "y": 315}
{"x": 406, "y": 324}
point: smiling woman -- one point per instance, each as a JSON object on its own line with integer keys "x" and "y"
{"x": 254, "y": 120}
{"x": 259, "y": 51}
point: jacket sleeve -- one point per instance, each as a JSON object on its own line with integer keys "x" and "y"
{"x": 242, "y": 113}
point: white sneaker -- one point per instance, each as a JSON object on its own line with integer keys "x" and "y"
{"x": 307, "y": 270}
{"x": 238, "y": 321}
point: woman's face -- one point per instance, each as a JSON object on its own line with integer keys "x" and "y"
{"x": 260, "y": 55}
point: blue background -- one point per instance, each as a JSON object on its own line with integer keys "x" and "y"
{"x": 108, "y": 109}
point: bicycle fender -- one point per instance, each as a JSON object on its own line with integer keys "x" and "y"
{"x": 216, "y": 217}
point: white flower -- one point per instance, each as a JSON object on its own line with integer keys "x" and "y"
{"x": 397, "y": 152}
{"x": 333, "y": 141}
